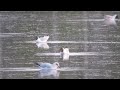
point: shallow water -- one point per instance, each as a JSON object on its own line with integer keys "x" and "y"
{"x": 94, "y": 47}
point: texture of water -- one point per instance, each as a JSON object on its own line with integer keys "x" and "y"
{"x": 94, "y": 47}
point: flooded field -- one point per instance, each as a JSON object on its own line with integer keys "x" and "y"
{"x": 94, "y": 46}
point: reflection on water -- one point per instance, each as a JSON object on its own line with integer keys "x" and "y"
{"x": 65, "y": 57}
{"x": 10, "y": 34}
{"x": 42, "y": 45}
{"x": 79, "y": 54}
{"x": 49, "y": 73}
{"x": 94, "y": 46}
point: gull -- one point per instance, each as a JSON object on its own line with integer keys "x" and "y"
{"x": 42, "y": 39}
{"x": 41, "y": 42}
{"x": 55, "y": 65}
{"x": 64, "y": 53}
{"x": 110, "y": 20}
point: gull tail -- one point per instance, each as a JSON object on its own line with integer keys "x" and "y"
{"x": 115, "y": 16}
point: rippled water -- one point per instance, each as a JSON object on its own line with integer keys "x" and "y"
{"x": 94, "y": 47}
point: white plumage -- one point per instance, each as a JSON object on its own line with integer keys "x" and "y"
{"x": 110, "y": 20}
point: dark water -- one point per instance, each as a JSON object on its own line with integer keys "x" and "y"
{"x": 96, "y": 45}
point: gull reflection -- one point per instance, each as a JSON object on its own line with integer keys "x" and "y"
{"x": 48, "y": 70}
{"x": 50, "y": 73}
{"x": 42, "y": 45}
{"x": 65, "y": 57}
